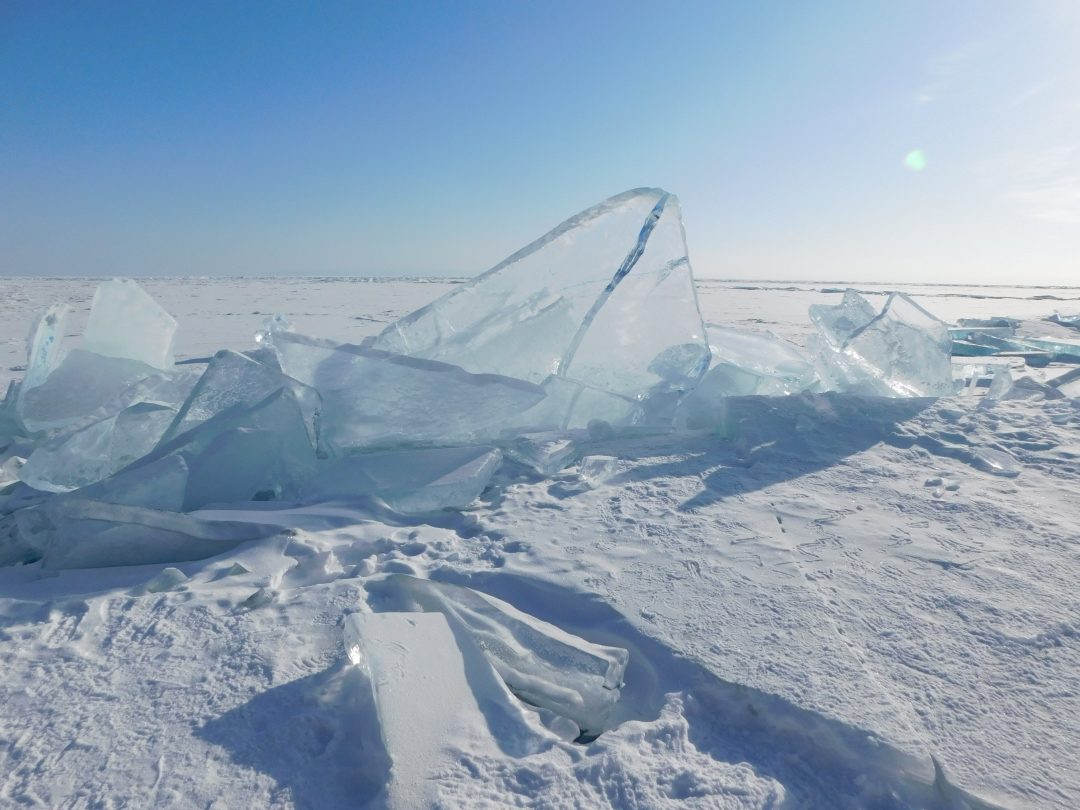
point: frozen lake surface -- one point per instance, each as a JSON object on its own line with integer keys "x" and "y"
{"x": 814, "y": 606}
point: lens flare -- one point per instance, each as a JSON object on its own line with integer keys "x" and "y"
{"x": 915, "y": 160}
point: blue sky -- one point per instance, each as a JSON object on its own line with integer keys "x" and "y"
{"x": 408, "y": 138}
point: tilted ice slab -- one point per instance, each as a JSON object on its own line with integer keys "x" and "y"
{"x": 243, "y": 453}
{"x": 409, "y": 481}
{"x": 542, "y": 664}
{"x": 126, "y": 322}
{"x": 77, "y": 533}
{"x": 98, "y": 450}
{"x": 903, "y": 351}
{"x": 87, "y": 387}
{"x": 45, "y": 345}
{"x": 232, "y": 379}
{"x": 604, "y": 305}
{"x": 373, "y": 398}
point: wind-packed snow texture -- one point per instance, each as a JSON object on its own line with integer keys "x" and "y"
{"x": 547, "y": 541}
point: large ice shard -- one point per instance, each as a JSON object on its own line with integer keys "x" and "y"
{"x": 542, "y": 664}
{"x": 373, "y": 398}
{"x": 903, "y": 351}
{"x": 126, "y": 322}
{"x": 409, "y": 481}
{"x": 98, "y": 450}
{"x": 605, "y": 303}
{"x": 231, "y": 379}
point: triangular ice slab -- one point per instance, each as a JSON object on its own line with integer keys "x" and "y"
{"x": 605, "y": 303}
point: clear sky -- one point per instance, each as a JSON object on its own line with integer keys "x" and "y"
{"x": 923, "y": 140}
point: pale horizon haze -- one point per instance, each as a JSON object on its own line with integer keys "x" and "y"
{"x": 890, "y": 142}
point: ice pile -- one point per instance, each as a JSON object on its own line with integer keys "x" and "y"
{"x": 591, "y": 330}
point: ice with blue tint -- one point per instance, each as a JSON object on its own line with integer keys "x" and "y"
{"x": 98, "y": 450}
{"x": 604, "y": 303}
{"x": 590, "y": 332}
{"x": 903, "y": 351}
{"x": 126, "y": 322}
{"x": 746, "y": 363}
{"x": 231, "y": 380}
{"x": 87, "y": 387}
{"x": 70, "y": 532}
{"x": 45, "y": 345}
{"x": 373, "y": 398}
{"x": 411, "y": 481}
{"x": 261, "y": 452}
{"x": 544, "y": 452}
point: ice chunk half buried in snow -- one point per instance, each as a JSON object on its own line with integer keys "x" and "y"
{"x": 435, "y": 694}
{"x": 126, "y": 322}
{"x": 605, "y": 303}
{"x": 543, "y": 665}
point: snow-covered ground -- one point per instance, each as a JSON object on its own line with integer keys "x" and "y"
{"x": 814, "y": 606}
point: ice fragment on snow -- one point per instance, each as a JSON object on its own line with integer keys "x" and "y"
{"x": 605, "y": 302}
{"x": 540, "y": 663}
{"x": 744, "y": 364}
{"x": 1000, "y": 385}
{"x": 126, "y": 322}
{"x": 838, "y": 322}
{"x": 595, "y": 470}
{"x": 88, "y": 387}
{"x": 544, "y": 452}
{"x": 1027, "y": 388}
{"x": 262, "y": 452}
{"x": 169, "y": 579}
{"x": 409, "y": 481}
{"x": 995, "y": 462}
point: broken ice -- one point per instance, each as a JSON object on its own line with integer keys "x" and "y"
{"x": 543, "y": 665}
{"x": 903, "y": 351}
{"x": 605, "y": 303}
